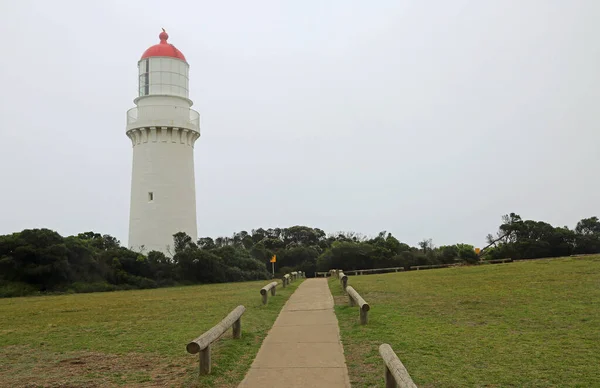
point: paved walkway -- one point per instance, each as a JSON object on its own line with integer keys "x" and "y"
{"x": 303, "y": 347}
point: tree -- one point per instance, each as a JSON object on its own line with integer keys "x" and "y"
{"x": 426, "y": 245}
{"x": 182, "y": 241}
{"x": 588, "y": 226}
{"x": 206, "y": 243}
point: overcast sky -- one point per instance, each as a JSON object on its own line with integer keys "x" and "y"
{"x": 428, "y": 119}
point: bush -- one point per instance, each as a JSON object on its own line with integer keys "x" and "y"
{"x": 12, "y": 289}
{"x": 82, "y": 287}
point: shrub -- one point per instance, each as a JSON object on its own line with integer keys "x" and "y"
{"x": 12, "y": 289}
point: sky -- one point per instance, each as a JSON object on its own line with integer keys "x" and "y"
{"x": 426, "y": 119}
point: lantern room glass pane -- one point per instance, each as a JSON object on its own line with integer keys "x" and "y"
{"x": 164, "y": 76}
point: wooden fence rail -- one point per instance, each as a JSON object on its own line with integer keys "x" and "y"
{"x": 374, "y": 270}
{"x": 412, "y": 268}
{"x": 265, "y": 291}
{"x": 202, "y": 344}
{"x": 286, "y": 279}
{"x": 396, "y": 375}
{"x": 355, "y": 299}
{"x": 294, "y": 275}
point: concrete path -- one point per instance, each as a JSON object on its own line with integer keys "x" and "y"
{"x": 303, "y": 347}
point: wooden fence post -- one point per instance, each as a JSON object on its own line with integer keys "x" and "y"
{"x": 364, "y": 314}
{"x": 237, "y": 328}
{"x": 205, "y": 360}
{"x": 389, "y": 378}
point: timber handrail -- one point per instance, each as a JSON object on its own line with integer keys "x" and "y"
{"x": 354, "y": 299}
{"x": 265, "y": 291}
{"x": 396, "y": 375}
{"x": 202, "y": 344}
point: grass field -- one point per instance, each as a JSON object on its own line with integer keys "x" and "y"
{"x": 131, "y": 337}
{"x": 524, "y": 324}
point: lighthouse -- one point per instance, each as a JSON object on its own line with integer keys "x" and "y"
{"x": 163, "y": 130}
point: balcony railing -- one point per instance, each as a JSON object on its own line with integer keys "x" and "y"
{"x": 163, "y": 116}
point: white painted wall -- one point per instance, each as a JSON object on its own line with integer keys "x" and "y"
{"x": 163, "y": 130}
{"x": 165, "y": 169}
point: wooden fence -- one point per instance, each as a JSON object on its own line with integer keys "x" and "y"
{"x": 334, "y": 272}
{"x": 202, "y": 344}
{"x": 396, "y": 375}
{"x": 354, "y": 299}
{"x": 397, "y": 269}
{"x": 265, "y": 291}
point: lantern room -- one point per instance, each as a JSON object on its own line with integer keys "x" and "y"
{"x": 163, "y": 70}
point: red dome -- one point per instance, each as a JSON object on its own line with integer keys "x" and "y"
{"x": 163, "y": 49}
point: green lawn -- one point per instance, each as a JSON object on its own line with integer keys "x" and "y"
{"x": 523, "y": 324}
{"x": 131, "y": 337}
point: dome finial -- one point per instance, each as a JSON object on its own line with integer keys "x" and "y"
{"x": 163, "y": 36}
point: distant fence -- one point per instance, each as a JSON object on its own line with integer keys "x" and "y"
{"x": 397, "y": 269}
{"x": 290, "y": 277}
{"x": 396, "y": 375}
{"x": 369, "y": 271}
{"x": 331, "y": 272}
{"x": 203, "y": 343}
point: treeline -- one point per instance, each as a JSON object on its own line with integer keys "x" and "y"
{"x": 41, "y": 260}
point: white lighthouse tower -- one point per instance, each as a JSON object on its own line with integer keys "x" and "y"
{"x": 163, "y": 130}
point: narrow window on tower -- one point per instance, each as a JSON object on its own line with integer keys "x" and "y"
{"x": 150, "y": 196}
